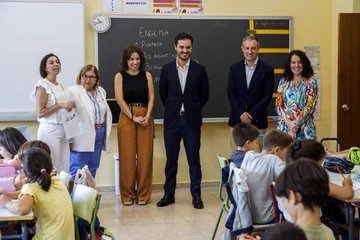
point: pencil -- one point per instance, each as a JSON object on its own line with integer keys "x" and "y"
{"x": 340, "y": 172}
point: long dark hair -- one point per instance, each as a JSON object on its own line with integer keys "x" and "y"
{"x": 307, "y": 71}
{"x": 38, "y": 166}
{"x": 11, "y": 139}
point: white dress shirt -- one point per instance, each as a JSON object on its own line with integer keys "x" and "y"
{"x": 250, "y": 71}
{"x": 183, "y": 72}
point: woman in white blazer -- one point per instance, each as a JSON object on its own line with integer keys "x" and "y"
{"x": 95, "y": 121}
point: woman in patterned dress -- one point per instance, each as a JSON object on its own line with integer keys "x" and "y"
{"x": 296, "y": 97}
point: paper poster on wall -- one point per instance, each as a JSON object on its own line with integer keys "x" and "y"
{"x": 165, "y": 6}
{"x": 112, "y": 5}
{"x": 313, "y": 53}
{"x": 136, "y": 6}
{"x": 191, "y": 6}
{"x": 317, "y": 76}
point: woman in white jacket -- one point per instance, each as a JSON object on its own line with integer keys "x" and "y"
{"x": 95, "y": 121}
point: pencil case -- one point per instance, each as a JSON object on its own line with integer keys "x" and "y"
{"x": 331, "y": 164}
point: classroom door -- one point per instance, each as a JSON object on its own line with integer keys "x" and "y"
{"x": 348, "y": 114}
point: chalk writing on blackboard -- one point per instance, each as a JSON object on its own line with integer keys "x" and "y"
{"x": 270, "y": 23}
{"x": 152, "y": 32}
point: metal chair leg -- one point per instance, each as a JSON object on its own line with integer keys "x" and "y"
{"x": 217, "y": 223}
{"x": 220, "y": 191}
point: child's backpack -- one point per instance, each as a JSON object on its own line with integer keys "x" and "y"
{"x": 354, "y": 155}
{"x": 7, "y": 183}
{"x": 7, "y": 170}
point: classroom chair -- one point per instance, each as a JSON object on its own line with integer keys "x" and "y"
{"x": 225, "y": 206}
{"x": 222, "y": 161}
{"x": 85, "y": 203}
{"x": 256, "y": 228}
{"x": 23, "y": 130}
{"x": 66, "y": 179}
{"x": 275, "y": 204}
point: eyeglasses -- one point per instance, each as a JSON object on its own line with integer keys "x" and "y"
{"x": 89, "y": 77}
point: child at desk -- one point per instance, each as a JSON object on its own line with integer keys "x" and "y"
{"x": 262, "y": 169}
{"x": 21, "y": 179}
{"x": 11, "y": 140}
{"x": 303, "y": 197}
{"x": 246, "y": 138}
{"x": 46, "y": 194}
{"x": 332, "y": 209}
{"x": 314, "y": 150}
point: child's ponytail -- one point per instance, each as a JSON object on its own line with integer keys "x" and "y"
{"x": 38, "y": 167}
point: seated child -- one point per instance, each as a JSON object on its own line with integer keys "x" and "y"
{"x": 46, "y": 194}
{"x": 314, "y": 150}
{"x": 21, "y": 179}
{"x": 262, "y": 169}
{"x": 246, "y": 138}
{"x": 11, "y": 140}
{"x": 282, "y": 231}
{"x": 303, "y": 197}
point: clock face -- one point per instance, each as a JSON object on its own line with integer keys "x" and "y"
{"x": 100, "y": 23}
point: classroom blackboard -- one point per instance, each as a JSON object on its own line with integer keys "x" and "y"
{"x": 217, "y": 43}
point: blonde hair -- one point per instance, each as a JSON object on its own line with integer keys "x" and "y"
{"x": 86, "y": 68}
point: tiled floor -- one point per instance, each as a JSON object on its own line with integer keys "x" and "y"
{"x": 176, "y": 221}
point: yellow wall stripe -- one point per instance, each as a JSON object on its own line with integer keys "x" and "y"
{"x": 251, "y": 26}
{"x": 279, "y": 71}
{"x": 274, "y": 50}
{"x": 271, "y": 31}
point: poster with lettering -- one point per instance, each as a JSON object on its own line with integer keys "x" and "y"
{"x": 136, "y": 6}
{"x": 191, "y": 6}
{"x": 165, "y": 6}
{"x": 112, "y": 5}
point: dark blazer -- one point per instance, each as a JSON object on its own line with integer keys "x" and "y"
{"x": 196, "y": 93}
{"x": 254, "y": 100}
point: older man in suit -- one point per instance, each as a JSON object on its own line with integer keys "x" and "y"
{"x": 250, "y": 87}
{"x": 184, "y": 91}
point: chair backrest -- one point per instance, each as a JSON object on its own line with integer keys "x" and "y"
{"x": 84, "y": 202}
{"x": 23, "y": 130}
{"x": 66, "y": 178}
{"x": 275, "y": 204}
{"x": 222, "y": 161}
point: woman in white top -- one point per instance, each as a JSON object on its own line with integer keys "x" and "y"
{"x": 51, "y": 99}
{"x": 95, "y": 121}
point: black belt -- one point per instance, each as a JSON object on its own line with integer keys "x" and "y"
{"x": 182, "y": 113}
{"x": 137, "y": 104}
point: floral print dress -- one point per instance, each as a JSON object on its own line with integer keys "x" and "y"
{"x": 296, "y": 101}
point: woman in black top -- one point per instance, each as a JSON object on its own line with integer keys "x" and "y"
{"x": 134, "y": 91}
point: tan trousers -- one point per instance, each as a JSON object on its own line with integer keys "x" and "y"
{"x": 234, "y": 147}
{"x": 135, "y": 141}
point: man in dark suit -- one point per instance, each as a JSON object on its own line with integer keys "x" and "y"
{"x": 184, "y": 91}
{"x": 250, "y": 87}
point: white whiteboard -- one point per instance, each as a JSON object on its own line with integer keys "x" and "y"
{"x": 28, "y": 31}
